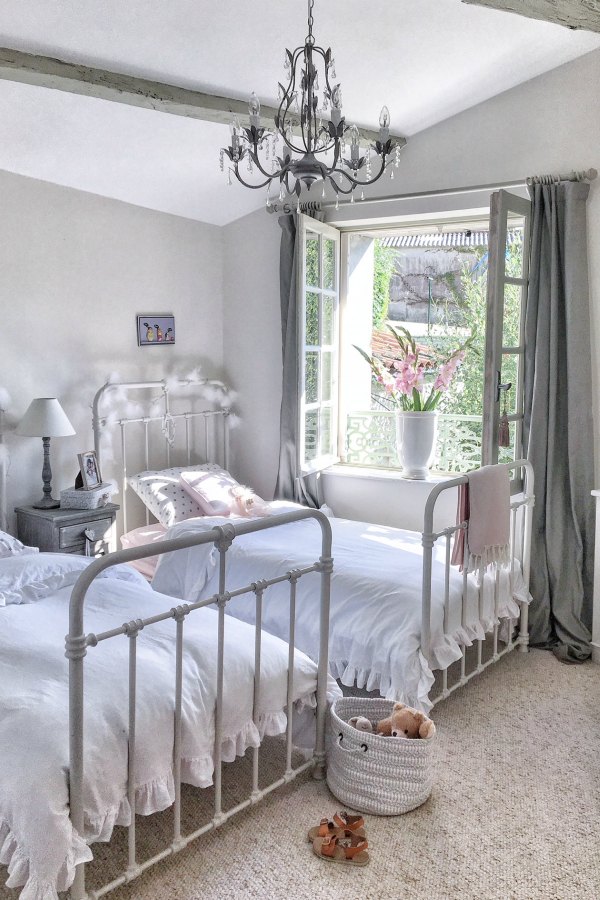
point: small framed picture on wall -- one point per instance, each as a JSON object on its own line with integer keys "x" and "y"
{"x": 155, "y": 328}
{"x": 90, "y": 472}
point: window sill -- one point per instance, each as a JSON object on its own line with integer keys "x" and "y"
{"x": 373, "y": 474}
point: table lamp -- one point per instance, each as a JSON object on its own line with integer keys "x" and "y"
{"x": 45, "y": 418}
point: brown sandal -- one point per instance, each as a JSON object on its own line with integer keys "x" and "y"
{"x": 341, "y": 824}
{"x": 350, "y": 849}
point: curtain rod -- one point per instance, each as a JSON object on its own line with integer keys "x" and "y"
{"x": 316, "y": 206}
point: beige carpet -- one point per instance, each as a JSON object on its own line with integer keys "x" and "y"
{"x": 514, "y": 815}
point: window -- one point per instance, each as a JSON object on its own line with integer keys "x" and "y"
{"x": 318, "y": 333}
{"x": 444, "y": 283}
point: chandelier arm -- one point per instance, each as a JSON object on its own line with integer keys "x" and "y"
{"x": 254, "y": 187}
{"x": 355, "y": 181}
{"x": 257, "y": 163}
{"x": 289, "y": 96}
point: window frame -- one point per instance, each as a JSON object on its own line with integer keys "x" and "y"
{"x": 502, "y": 205}
{"x": 306, "y": 224}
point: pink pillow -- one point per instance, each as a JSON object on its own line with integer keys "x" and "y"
{"x": 219, "y": 494}
{"x": 147, "y": 534}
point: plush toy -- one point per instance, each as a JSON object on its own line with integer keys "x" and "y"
{"x": 406, "y": 722}
{"x": 361, "y": 723}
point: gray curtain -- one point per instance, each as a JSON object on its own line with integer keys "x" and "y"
{"x": 290, "y": 484}
{"x": 558, "y": 430}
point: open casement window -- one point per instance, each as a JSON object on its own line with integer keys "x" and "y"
{"x": 508, "y": 274}
{"x": 318, "y": 337}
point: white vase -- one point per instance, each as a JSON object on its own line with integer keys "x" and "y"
{"x": 415, "y": 435}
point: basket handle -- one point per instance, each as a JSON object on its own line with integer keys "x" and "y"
{"x": 362, "y": 749}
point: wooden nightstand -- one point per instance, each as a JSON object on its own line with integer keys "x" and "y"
{"x": 62, "y": 530}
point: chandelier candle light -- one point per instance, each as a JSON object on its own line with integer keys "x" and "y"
{"x": 309, "y": 123}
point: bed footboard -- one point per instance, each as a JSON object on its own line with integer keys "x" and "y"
{"x": 521, "y": 510}
{"x": 78, "y": 643}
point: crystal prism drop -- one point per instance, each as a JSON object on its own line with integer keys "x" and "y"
{"x": 229, "y": 181}
{"x": 391, "y": 174}
{"x": 352, "y": 197}
{"x": 362, "y": 195}
{"x": 337, "y": 202}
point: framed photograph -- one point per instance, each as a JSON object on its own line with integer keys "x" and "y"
{"x": 155, "y": 328}
{"x": 90, "y": 473}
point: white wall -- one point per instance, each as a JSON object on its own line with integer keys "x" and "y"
{"x": 252, "y": 346}
{"x": 549, "y": 124}
{"x": 76, "y": 269}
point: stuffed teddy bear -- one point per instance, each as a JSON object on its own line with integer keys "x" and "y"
{"x": 406, "y": 722}
{"x": 361, "y": 723}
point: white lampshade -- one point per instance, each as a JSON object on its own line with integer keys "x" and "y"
{"x": 45, "y": 417}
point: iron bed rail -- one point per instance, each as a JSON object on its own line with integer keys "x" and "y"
{"x": 77, "y": 643}
{"x": 520, "y": 545}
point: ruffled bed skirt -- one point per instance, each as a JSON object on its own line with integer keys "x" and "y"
{"x": 153, "y": 796}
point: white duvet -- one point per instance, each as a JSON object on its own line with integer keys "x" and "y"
{"x": 37, "y": 841}
{"x": 375, "y": 620}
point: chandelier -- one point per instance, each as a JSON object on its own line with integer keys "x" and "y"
{"x": 311, "y": 141}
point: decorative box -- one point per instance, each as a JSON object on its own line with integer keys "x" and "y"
{"x": 77, "y": 498}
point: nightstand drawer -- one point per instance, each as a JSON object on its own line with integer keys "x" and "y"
{"x": 72, "y": 535}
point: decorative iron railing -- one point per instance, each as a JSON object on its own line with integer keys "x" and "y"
{"x": 371, "y": 441}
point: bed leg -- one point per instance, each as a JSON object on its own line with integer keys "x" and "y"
{"x": 319, "y": 769}
{"x": 523, "y": 638}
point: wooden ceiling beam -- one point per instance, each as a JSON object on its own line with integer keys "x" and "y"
{"x": 575, "y": 14}
{"x": 44, "y": 71}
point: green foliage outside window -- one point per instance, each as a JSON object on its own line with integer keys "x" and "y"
{"x": 384, "y": 269}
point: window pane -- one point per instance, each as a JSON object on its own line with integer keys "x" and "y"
{"x": 511, "y": 326}
{"x": 312, "y": 319}
{"x": 311, "y": 382}
{"x": 311, "y": 423}
{"x": 328, "y": 264}
{"x": 327, "y": 374}
{"x": 327, "y": 337}
{"x": 510, "y": 373}
{"x": 326, "y": 434}
{"x": 312, "y": 259}
{"x": 514, "y": 252}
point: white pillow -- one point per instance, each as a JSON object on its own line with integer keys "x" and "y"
{"x": 219, "y": 494}
{"x": 163, "y": 494}
{"x": 10, "y": 546}
{"x": 27, "y": 578}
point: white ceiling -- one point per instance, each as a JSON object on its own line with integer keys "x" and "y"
{"x": 427, "y": 59}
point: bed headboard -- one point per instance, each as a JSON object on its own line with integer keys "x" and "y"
{"x": 159, "y": 424}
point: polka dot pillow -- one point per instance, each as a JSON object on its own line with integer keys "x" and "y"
{"x": 162, "y": 493}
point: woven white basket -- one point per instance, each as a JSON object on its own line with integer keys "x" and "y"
{"x": 371, "y": 773}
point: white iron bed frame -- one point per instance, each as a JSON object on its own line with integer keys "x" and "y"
{"x": 78, "y": 643}
{"x": 216, "y": 431}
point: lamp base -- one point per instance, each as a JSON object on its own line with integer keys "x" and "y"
{"x": 46, "y": 503}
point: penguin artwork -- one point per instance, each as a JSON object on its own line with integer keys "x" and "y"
{"x": 159, "y": 334}
{"x": 149, "y": 332}
{"x": 169, "y": 336}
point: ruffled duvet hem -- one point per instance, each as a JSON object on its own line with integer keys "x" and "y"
{"x": 16, "y": 858}
{"x": 150, "y": 797}
{"x": 445, "y": 650}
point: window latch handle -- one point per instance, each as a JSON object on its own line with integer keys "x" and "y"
{"x": 500, "y": 386}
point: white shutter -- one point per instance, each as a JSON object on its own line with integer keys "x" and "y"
{"x": 508, "y": 275}
{"x": 318, "y": 286}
